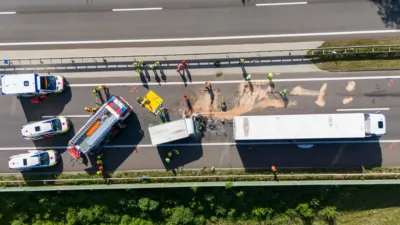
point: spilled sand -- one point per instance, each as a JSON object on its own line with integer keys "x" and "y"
{"x": 249, "y": 98}
{"x": 350, "y": 86}
{"x": 321, "y": 95}
{"x": 299, "y": 91}
{"x": 347, "y": 100}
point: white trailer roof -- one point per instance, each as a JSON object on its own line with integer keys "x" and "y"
{"x": 19, "y": 84}
{"x": 307, "y": 126}
{"x": 167, "y": 132}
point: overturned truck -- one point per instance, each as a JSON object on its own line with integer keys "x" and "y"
{"x": 176, "y": 130}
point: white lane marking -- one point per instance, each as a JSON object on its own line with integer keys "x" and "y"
{"x": 241, "y": 81}
{"x": 136, "y": 9}
{"x": 363, "y": 109}
{"x": 70, "y": 116}
{"x": 200, "y": 38}
{"x": 8, "y": 13}
{"x": 211, "y": 144}
{"x": 283, "y": 3}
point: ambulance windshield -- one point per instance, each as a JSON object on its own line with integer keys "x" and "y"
{"x": 48, "y": 83}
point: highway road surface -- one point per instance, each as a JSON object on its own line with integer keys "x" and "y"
{"x": 307, "y": 93}
{"x": 176, "y": 22}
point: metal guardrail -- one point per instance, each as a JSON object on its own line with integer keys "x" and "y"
{"x": 200, "y": 60}
{"x": 200, "y": 184}
{"x": 157, "y": 182}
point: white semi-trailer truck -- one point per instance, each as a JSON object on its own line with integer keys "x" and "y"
{"x": 309, "y": 126}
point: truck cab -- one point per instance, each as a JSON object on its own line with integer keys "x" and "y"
{"x": 375, "y": 125}
{"x": 28, "y": 85}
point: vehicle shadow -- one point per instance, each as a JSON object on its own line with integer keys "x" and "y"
{"x": 56, "y": 141}
{"x": 389, "y": 11}
{"x": 114, "y": 157}
{"x": 189, "y": 151}
{"x": 53, "y": 105}
{"x": 326, "y": 156}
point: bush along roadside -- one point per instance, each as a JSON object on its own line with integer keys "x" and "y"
{"x": 203, "y": 175}
{"x": 357, "y": 55}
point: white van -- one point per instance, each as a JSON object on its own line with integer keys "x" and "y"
{"x": 27, "y": 85}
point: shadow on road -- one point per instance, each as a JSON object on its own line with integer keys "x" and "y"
{"x": 114, "y": 157}
{"x": 320, "y": 156}
{"x": 389, "y": 11}
{"x": 53, "y": 105}
{"x": 57, "y": 140}
{"x": 187, "y": 154}
{"x": 283, "y": 60}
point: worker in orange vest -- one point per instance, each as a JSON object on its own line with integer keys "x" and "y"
{"x": 273, "y": 169}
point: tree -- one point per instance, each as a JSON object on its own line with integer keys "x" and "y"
{"x": 181, "y": 215}
{"x": 261, "y": 213}
{"x": 305, "y": 211}
{"x": 328, "y": 213}
{"x": 125, "y": 220}
{"x": 71, "y": 216}
{"x": 220, "y": 211}
{"x": 91, "y": 215}
{"x": 140, "y": 221}
{"x": 146, "y": 204}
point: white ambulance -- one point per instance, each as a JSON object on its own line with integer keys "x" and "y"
{"x": 28, "y": 85}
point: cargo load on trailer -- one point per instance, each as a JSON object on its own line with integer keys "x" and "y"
{"x": 177, "y": 130}
{"x": 308, "y": 126}
{"x": 101, "y": 127}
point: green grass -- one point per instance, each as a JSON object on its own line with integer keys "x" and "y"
{"x": 362, "y": 60}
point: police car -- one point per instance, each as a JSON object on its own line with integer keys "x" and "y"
{"x": 33, "y": 159}
{"x": 27, "y": 85}
{"x": 46, "y": 128}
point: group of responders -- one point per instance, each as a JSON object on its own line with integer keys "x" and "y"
{"x": 96, "y": 92}
{"x": 140, "y": 65}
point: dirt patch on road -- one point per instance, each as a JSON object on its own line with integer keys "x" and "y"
{"x": 321, "y": 96}
{"x": 350, "y": 86}
{"x": 347, "y": 100}
{"x": 201, "y": 102}
{"x": 249, "y": 98}
{"x": 299, "y": 91}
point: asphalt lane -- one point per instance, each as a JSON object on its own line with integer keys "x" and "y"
{"x": 303, "y": 98}
{"x": 102, "y": 5}
{"x": 193, "y": 21}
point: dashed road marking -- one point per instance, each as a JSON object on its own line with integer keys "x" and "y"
{"x": 137, "y": 9}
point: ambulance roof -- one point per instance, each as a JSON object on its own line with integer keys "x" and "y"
{"x": 19, "y": 84}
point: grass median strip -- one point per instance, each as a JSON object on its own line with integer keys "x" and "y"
{"x": 382, "y": 58}
{"x": 201, "y": 175}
